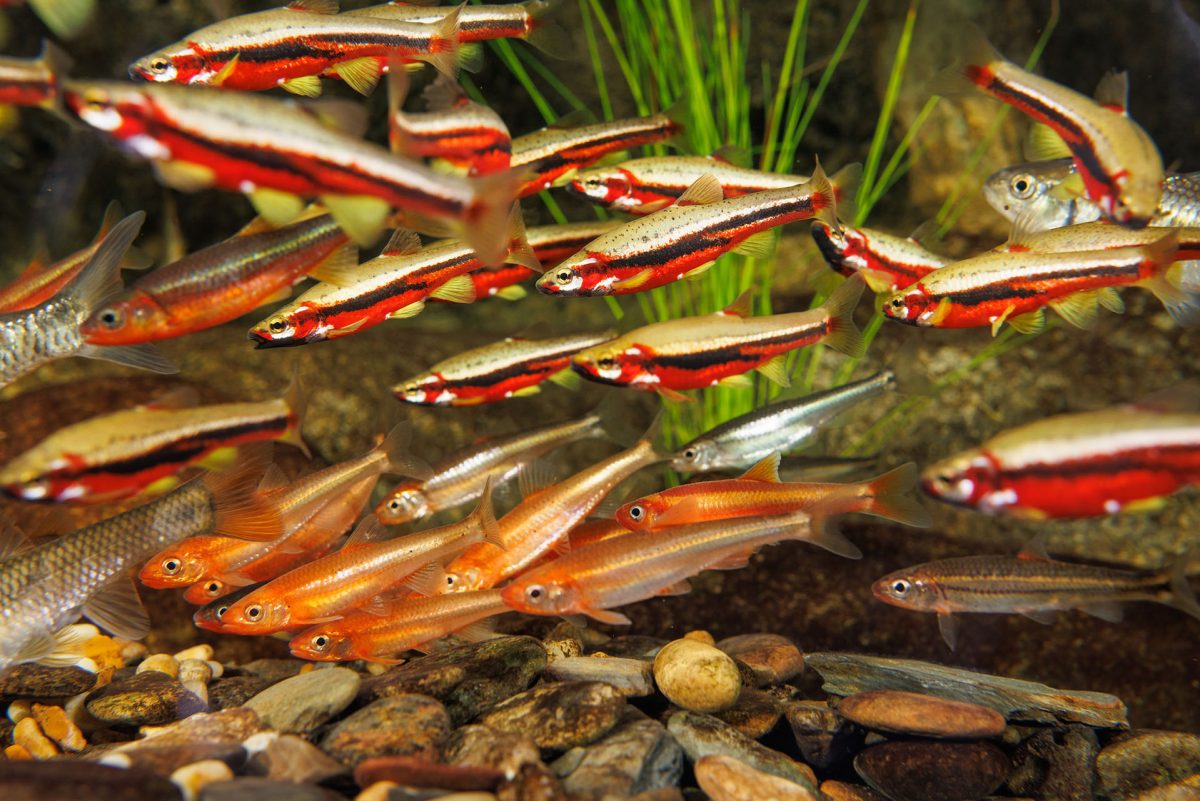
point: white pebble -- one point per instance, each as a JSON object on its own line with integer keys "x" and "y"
{"x": 191, "y": 779}
{"x": 19, "y": 710}
{"x": 204, "y": 652}
{"x": 697, "y": 676}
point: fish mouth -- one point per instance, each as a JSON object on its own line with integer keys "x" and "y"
{"x": 264, "y": 341}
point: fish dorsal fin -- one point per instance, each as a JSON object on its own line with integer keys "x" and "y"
{"x": 339, "y": 115}
{"x": 427, "y": 581}
{"x": 178, "y": 398}
{"x": 314, "y": 6}
{"x": 484, "y": 514}
{"x": 574, "y": 119}
{"x": 1184, "y": 397}
{"x": 12, "y": 540}
{"x": 534, "y": 477}
{"x": 1044, "y": 144}
{"x": 704, "y": 190}
{"x": 258, "y": 225}
{"x": 926, "y": 232}
{"x": 740, "y": 306}
{"x": 403, "y": 242}
{"x": 1113, "y": 91}
{"x": 369, "y": 529}
{"x": 766, "y": 470}
{"x": 117, "y": 609}
{"x": 732, "y": 154}
{"x": 1035, "y": 550}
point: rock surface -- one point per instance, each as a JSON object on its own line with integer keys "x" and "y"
{"x": 726, "y": 779}
{"x": 482, "y": 746}
{"x": 923, "y": 715}
{"x": 772, "y": 658}
{"x": 559, "y": 715}
{"x": 697, "y": 676}
{"x": 635, "y": 757}
{"x": 704, "y": 735}
{"x": 755, "y": 714}
{"x": 631, "y": 677}
{"x": 823, "y": 736}
{"x": 416, "y": 772}
{"x": 288, "y": 758}
{"x": 396, "y": 726}
{"x": 915, "y": 770}
{"x": 1141, "y": 760}
{"x": 145, "y": 699}
{"x": 299, "y": 704}
{"x": 42, "y": 681}
{"x": 81, "y": 781}
{"x": 1057, "y": 765}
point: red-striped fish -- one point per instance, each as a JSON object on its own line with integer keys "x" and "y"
{"x": 456, "y": 132}
{"x": 711, "y": 349}
{"x": 886, "y": 262}
{"x": 527, "y": 21}
{"x": 33, "y": 81}
{"x": 685, "y": 239}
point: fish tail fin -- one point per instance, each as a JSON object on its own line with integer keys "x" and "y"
{"x": 893, "y": 496}
{"x": 819, "y": 529}
{"x": 395, "y": 448}
{"x": 398, "y": 84}
{"x": 297, "y": 403}
{"x": 679, "y": 116}
{"x": 519, "y": 250}
{"x": 1182, "y": 597}
{"x": 443, "y": 44}
{"x": 547, "y": 35}
{"x": 1175, "y": 285}
{"x": 970, "y": 68}
{"x": 845, "y": 183}
{"x": 239, "y": 510}
{"x": 818, "y": 194}
{"x": 842, "y": 334}
{"x": 57, "y": 63}
{"x": 65, "y": 18}
{"x": 486, "y": 224}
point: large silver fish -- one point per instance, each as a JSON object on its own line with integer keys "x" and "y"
{"x": 49, "y": 331}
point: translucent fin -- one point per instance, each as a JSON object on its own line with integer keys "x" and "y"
{"x": 1183, "y": 597}
{"x": 893, "y": 496}
{"x": 443, "y": 44}
{"x": 741, "y": 381}
{"x": 766, "y": 470}
{"x": 478, "y": 631}
{"x": 948, "y": 626}
{"x": 100, "y": 278}
{"x": 547, "y": 35}
{"x": 845, "y": 184}
{"x": 427, "y": 581}
{"x": 486, "y": 229}
{"x": 411, "y": 310}
{"x": 66, "y": 18}
{"x": 567, "y": 379}
{"x": 339, "y": 268}
{"x": 832, "y": 540}
{"x": 975, "y": 54}
{"x": 519, "y": 249}
{"x": 776, "y": 370}
{"x": 403, "y": 242}
{"x": 1044, "y": 144}
{"x": 183, "y": 175}
{"x": 674, "y": 396}
{"x": 379, "y": 606}
{"x": 344, "y": 116}
{"x": 485, "y": 515}
{"x": 634, "y": 282}
{"x": 459, "y": 289}
{"x": 304, "y": 86}
{"x": 759, "y": 246}
{"x": 1032, "y": 323}
{"x": 525, "y": 392}
{"x": 143, "y": 357}
{"x": 470, "y": 56}
{"x": 361, "y": 74}
{"x": 534, "y": 477}
{"x": 1111, "y": 612}
{"x": 368, "y": 530}
{"x": 1079, "y": 310}
{"x": 1182, "y": 397}
{"x": 12, "y": 540}
{"x": 681, "y": 587}
{"x": 843, "y": 335}
{"x": 608, "y": 616}
{"x": 1035, "y": 550}
{"x": 297, "y": 402}
{"x": 741, "y": 306}
{"x": 69, "y": 645}
{"x": 400, "y": 462}
{"x": 315, "y": 6}
{"x": 513, "y": 292}
{"x": 362, "y": 217}
{"x": 1110, "y": 298}
{"x": 237, "y": 510}
{"x": 1044, "y": 616}
{"x": 1113, "y": 91}
{"x": 698, "y": 272}
{"x": 818, "y": 193}
{"x": 277, "y": 208}
{"x": 116, "y": 608}
{"x": 685, "y": 511}
{"x": 733, "y": 154}
{"x": 704, "y": 190}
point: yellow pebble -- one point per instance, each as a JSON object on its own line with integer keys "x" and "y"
{"x": 104, "y": 651}
{"x": 17, "y": 753}
{"x": 697, "y": 676}
{"x": 163, "y": 663}
{"x": 700, "y": 635}
{"x": 191, "y": 779}
{"x": 59, "y": 728}
{"x": 29, "y": 735}
{"x": 18, "y": 710}
{"x": 376, "y": 792}
{"x": 203, "y": 652}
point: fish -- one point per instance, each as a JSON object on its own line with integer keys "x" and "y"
{"x": 1084, "y": 464}
{"x": 1015, "y": 286}
{"x": 595, "y": 529}
{"x": 646, "y": 185}
{"x": 1119, "y": 163}
{"x": 64, "y": 18}
{"x": 759, "y": 491}
{"x": 144, "y": 449}
{"x": 394, "y": 285}
{"x": 703, "y": 351}
{"x": 1038, "y": 194}
{"x": 512, "y": 367}
{"x": 528, "y": 21}
{"x": 357, "y": 575}
{"x": 543, "y": 520}
{"x": 222, "y": 282}
{"x": 33, "y": 81}
{"x": 888, "y": 263}
{"x": 410, "y": 624}
{"x": 208, "y": 617}
{"x": 686, "y": 238}
{"x": 461, "y": 476}
{"x": 45, "y": 587}
{"x": 781, "y": 426}
{"x": 457, "y": 133}
{"x": 1030, "y": 584}
{"x": 50, "y": 330}
{"x": 197, "y": 138}
{"x": 594, "y": 579}
{"x": 290, "y": 47}
{"x": 552, "y": 155}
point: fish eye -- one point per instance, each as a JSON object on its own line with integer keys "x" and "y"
{"x": 690, "y": 453}
{"x": 277, "y": 326}
{"x": 945, "y": 478}
{"x": 221, "y": 610}
{"x": 111, "y": 318}
{"x": 253, "y": 612}
{"x": 1022, "y": 185}
{"x": 171, "y": 566}
{"x": 395, "y": 505}
{"x": 412, "y": 389}
{"x": 320, "y": 642}
{"x": 212, "y": 588}
{"x": 636, "y": 512}
{"x": 451, "y": 580}
{"x": 607, "y": 362}
{"x": 896, "y": 303}
{"x": 564, "y": 276}
{"x": 535, "y": 592}
{"x": 901, "y": 587}
{"x": 159, "y": 65}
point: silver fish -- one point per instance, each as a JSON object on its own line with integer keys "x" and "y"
{"x": 778, "y": 427}
{"x": 49, "y": 331}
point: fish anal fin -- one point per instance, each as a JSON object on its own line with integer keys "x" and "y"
{"x": 459, "y": 289}
{"x": 704, "y": 190}
{"x": 362, "y": 217}
{"x": 567, "y": 379}
{"x": 740, "y": 381}
{"x": 1032, "y": 323}
{"x": 303, "y": 85}
{"x": 478, "y": 631}
{"x": 1112, "y": 612}
{"x": 608, "y": 616}
{"x": 1079, "y": 309}
{"x": 696, "y": 273}
{"x": 184, "y": 175}
{"x": 276, "y": 207}
{"x": 361, "y": 74}
{"x": 411, "y": 310}
{"x": 116, "y": 608}
{"x": 776, "y": 371}
{"x": 681, "y": 587}
{"x": 1043, "y": 616}
{"x": 1110, "y": 298}
{"x": 673, "y": 395}
{"x": 948, "y": 626}
{"x": 513, "y": 292}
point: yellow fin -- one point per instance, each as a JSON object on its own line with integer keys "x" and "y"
{"x": 765, "y": 470}
{"x": 999, "y": 321}
{"x": 1110, "y": 299}
{"x": 1031, "y": 323}
{"x": 759, "y": 246}
{"x": 403, "y": 242}
{"x": 512, "y": 292}
{"x": 362, "y": 217}
{"x": 1079, "y": 309}
{"x": 220, "y": 459}
{"x": 459, "y": 289}
{"x": 361, "y": 74}
{"x": 1145, "y": 505}
{"x": 184, "y": 175}
{"x": 742, "y": 381}
{"x": 1070, "y": 187}
{"x": 525, "y": 392}
{"x": 338, "y": 268}
{"x": 411, "y": 310}
{"x": 567, "y": 379}
{"x": 305, "y": 86}
{"x": 698, "y": 272}
{"x": 65, "y": 17}
{"x": 634, "y": 281}
{"x": 776, "y": 370}
{"x": 276, "y": 207}
{"x": 161, "y": 485}
{"x": 704, "y": 190}
{"x": 1045, "y": 145}
{"x": 226, "y": 71}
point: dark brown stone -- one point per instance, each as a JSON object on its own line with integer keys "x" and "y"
{"x": 58, "y": 780}
{"x": 41, "y": 681}
{"x": 1056, "y": 765}
{"x": 397, "y": 726}
{"x": 483, "y": 746}
{"x": 145, "y": 699}
{"x": 916, "y": 770}
{"x": 415, "y": 772}
{"x": 823, "y": 736}
{"x": 234, "y": 691}
{"x": 560, "y": 715}
{"x": 772, "y": 659}
{"x": 755, "y": 714}
{"x": 1144, "y": 759}
{"x": 842, "y": 791}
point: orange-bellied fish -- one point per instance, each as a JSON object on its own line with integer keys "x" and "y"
{"x": 290, "y": 47}
{"x": 198, "y": 138}
{"x": 686, "y": 238}
{"x": 394, "y": 285}
{"x": 542, "y": 521}
{"x": 704, "y": 351}
{"x": 509, "y": 368}
{"x": 1016, "y": 285}
{"x": 208, "y": 617}
{"x": 461, "y": 476}
{"x": 356, "y": 575}
{"x": 224, "y": 281}
{"x": 408, "y": 625}
{"x": 552, "y": 155}
{"x": 759, "y": 491}
{"x": 1030, "y": 584}
{"x": 50, "y": 330}
{"x": 44, "y": 588}
{"x": 32, "y": 81}
{"x": 1086, "y": 464}
{"x": 455, "y": 132}
{"x": 621, "y": 570}
{"x": 527, "y": 21}
{"x": 643, "y": 186}
{"x": 1121, "y": 168}
{"x": 143, "y": 449}
{"x": 886, "y": 262}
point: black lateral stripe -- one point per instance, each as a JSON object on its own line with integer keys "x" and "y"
{"x": 999, "y": 292}
{"x": 1123, "y": 464}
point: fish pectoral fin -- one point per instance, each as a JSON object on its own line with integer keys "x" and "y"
{"x": 427, "y": 581}
{"x": 478, "y": 631}
{"x": 235, "y": 579}
{"x": 608, "y": 616}
{"x": 459, "y": 289}
{"x": 1145, "y": 505}
{"x": 776, "y": 371}
{"x": 361, "y": 74}
{"x": 304, "y": 85}
{"x": 561, "y": 546}
{"x": 362, "y": 217}
{"x": 759, "y": 246}
{"x": 277, "y": 208}
{"x": 411, "y": 310}
{"x": 567, "y": 379}
{"x": 634, "y": 282}
{"x": 143, "y": 357}
{"x": 117, "y": 609}
{"x": 696, "y": 273}
{"x": 513, "y": 292}
{"x": 12, "y": 540}
{"x": 948, "y": 626}
{"x": 185, "y": 176}
{"x": 1112, "y": 612}
{"x": 1079, "y": 310}
{"x": 682, "y": 587}
{"x": 1044, "y": 144}
{"x": 379, "y": 606}
{"x": 1110, "y": 298}
{"x": 740, "y": 381}
{"x": 672, "y": 395}
{"x": 1032, "y": 323}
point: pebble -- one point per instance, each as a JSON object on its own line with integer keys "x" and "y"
{"x": 697, "y": 676}
{"x": 823, "y": 736}
{"x": 288, "y": 758}
{"x": 274, "y": 670}
{"x": 149, "y": 698}
{"x": 396, "y": 726}
{"x": 195, "y": 674}
{"x": 256, "y": 789}
{"x": 533, "y": 782}
{"x": 637, "y": 756}
{"x": 930, "y": 770}
{"x": 1141, "y": 760}
{"x": 564, "y": 641}
{"x": 163, "y": 663}
{"x": 468, "y": 678}
{"x": 215, "y": 735}
{"x": 841, "y": 791}
{"x": 755, "y": 714}
{"x": 415, "y": 772}
{"x": 299, "y": 704}
{"x": 633, "y": 678}
{"x": 59, "y": 728}
{"x": 1183, "y": 790}
{"x": 191, "y": 779}
{"x": 634, "y": 646}
{"x": 723, "y": 778}
{"x": 28, "y": 734}
{"x": 1056, "y": 764}
{"x": 80, "y": 780}
{"x": 40, "y": 681}
{"x": 704, "y": 735}
{"x": 846, "y": 674}
{"x": 560, "y": 715}
{"x": 772, "y": 658}
{"x": 924, "y": 715}
{"x": 17, "y": 753}
{"x": 483, "y": 746}
{"x": 204, "y": 652}
{"x": 19, "y": 710}
{"x": 234, "y": 691}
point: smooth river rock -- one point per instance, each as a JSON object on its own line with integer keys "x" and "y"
{"x": 397, "y": 726}
{"x": 635, "y": 757}
{"x": 288, "y": 758}
{"x": 924, "y": 715}
{"x": 42, "y": 681}
{"x": 1141, "y": 760}
{"x": 483, "y": 746}
{"x": 257, "y": 789}
{"x": 145, "y": 699}
{"x": 631, "y": 677}
{"x": 724, "y": 778}
{"x": 697, "y": 676}
{"x": 930, "y": 770}
{"x": 299, "y": 704}
{"x": 773, "y": 659}
{"x": 1056, "y": 765}
{"x": 704, "y": 735}
{"x": 81, "y": 781}
{"x": 559, "y": 715}
{"x": 843, "y": 791}
{"x": 755, "y": 714}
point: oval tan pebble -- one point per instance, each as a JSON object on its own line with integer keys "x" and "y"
{"x": 724, "y": 778}
{"x": 842, "y": 791}
{"x": 191, "y": 779}
{"x": 700, "y": 635}
{"x": 926, "y": 715}
{"x": 697, "y": 676}
{"x": 203, "y": 652}
{"x": 163, "y": 663}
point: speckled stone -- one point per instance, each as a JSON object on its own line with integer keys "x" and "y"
{"x": 704, "y": 735}
{"x": 637, "y": 756}
{"x": 1140, "y": 760}
{"x": 1056, "y": 765}
{"x": 724, "y": 778}
{"x": 560, "y": 715}
{"x": 634, "y": 646}
{"x": 288, "y": 758}
{"x": 931, "y": 770}
{"x": 533, "y": 782}
{"x": 81, "y": 781}
{"x": 145, "y": 699}
{"x": 823, "y": 736}
{"x": 234, "y": 691}
{"x": 483, "y": 746}
{"x": 772, "y": 658}
{"x": 697, "y": 676}
{"x": 755, "y": 714}
{"x": 302, "y": 703}
{"x": 215, "y": 735}
{"x": 922, "y": 715}
{"x": 40, "y": 681}
{"x": 633, "y": 678}
{"x": 273, "y": 670}
{"x": 396, "y": 726}
{"x": 1183, "y": 790}
{"x": 467, "y": 679}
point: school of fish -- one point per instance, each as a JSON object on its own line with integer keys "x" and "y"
{"x": 264, "y": 553}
